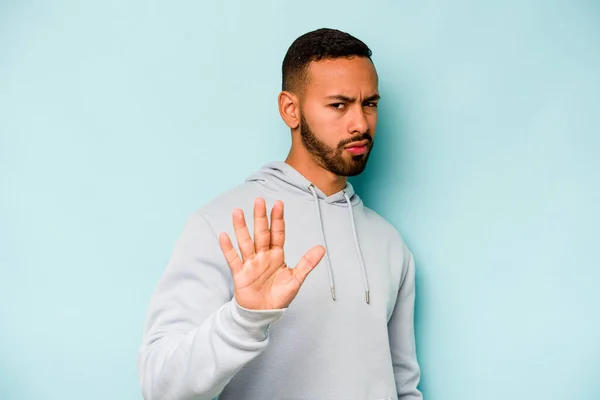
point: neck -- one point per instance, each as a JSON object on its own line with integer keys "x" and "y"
{"x": 303, "y": 162}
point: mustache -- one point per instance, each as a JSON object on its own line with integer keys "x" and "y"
{"x": 357, "y": 138}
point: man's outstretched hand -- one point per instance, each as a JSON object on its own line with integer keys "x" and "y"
{"x": 262, "y": 279}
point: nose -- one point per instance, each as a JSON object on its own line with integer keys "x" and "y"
{"x": 359, "y": 123}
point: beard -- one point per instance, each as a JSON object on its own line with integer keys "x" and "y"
{"x": 332, "y": 158}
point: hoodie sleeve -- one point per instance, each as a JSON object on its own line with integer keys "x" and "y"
{"x": 402, "y": 337}
{"x": 196, "y": 336}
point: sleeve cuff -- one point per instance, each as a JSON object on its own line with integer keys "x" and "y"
{"x": 250, "y": 325}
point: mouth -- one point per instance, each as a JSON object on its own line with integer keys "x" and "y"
{"x": 357, "y": 148}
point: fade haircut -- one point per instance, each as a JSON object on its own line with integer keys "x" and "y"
{"x": 317, "y": 45}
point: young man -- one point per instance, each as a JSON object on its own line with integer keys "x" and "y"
{"x": 317, "y": 307}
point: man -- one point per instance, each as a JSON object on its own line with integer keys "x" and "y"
{"x": 317, "y": 307}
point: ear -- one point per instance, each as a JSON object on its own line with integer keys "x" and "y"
{"x": 289, "y": 109}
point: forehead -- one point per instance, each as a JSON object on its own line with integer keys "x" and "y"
{"x": 351, "y": 76}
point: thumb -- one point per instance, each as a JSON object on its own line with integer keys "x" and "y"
{"x": 308, "y": 262}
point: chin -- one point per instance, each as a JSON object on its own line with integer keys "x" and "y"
{"x": 355, "y": 169}
{"x": 355, "y": 172}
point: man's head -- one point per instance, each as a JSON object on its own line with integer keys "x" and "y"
{"x": 329, "y": 99}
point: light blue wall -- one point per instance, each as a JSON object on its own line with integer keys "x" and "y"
{"x": 118, "y": 119}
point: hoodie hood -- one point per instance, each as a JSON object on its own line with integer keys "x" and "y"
{"x": 280, "y": 176}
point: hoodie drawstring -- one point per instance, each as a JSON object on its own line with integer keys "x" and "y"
{"x": 358, "y": 252}
{"x": 327, "y": 261}
{"x": 356, "y": 244}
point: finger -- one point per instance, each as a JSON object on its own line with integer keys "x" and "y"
{"x": 230, "y": 254}
{"x": 277, "y": 225}
{"x": 242, "y": 235}
{"x": 307, "y": 263}
{"x": 262, "y": 236}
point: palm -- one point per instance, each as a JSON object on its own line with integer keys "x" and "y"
{"x": 262, "y": 279}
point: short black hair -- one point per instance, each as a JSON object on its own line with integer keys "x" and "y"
{"x": 324, "y": 43}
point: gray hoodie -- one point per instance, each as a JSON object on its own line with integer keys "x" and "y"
{"x": 348, "y": 334}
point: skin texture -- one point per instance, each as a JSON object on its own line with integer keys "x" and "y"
{"x": 334, "y": 108}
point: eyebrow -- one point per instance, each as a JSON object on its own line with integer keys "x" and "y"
{"x": 347, "y": 99}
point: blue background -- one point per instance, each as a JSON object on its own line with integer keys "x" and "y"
{"x": 119, "y": 119}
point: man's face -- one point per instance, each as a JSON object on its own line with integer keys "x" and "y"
{"x": 339, "y": 113}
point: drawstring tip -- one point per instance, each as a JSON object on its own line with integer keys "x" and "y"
{"x": 333, "y": 293}
{"x": 367, "y": 296}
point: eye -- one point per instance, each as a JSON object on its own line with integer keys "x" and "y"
{"x": 371, "y": 104}
{"x": 338, "y": 106}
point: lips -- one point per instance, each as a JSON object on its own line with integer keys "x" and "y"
{"x": 357, "y": 148}
{"x": 362, "y": 143}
